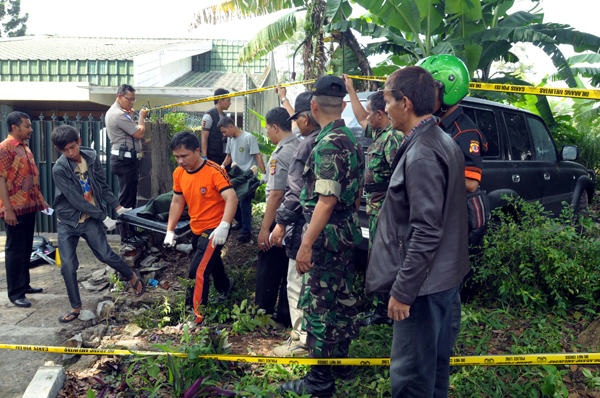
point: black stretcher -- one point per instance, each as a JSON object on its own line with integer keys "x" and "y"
{"x": 132, "y": 218}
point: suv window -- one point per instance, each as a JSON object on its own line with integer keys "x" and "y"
{"x": 486, "y": 121}
{"x": 520, "y": 144}
{"x": 544, "y": 147}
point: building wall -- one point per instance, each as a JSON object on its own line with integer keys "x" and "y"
{"x": 99, "y": 72}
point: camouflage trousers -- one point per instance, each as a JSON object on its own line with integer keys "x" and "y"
{"x": 381, "y": 300}
{"x": 327, "y": 301}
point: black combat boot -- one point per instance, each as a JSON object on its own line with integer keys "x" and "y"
{"x": 343, "y": 372}
{"x": 319, "y": 382}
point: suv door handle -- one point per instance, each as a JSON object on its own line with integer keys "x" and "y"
{"x": 516, "y": 178}
{"x": 546, "y": 176}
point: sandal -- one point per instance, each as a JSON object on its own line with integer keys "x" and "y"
{"x": 62, "y": 319}
{"x": 137, "y": 282}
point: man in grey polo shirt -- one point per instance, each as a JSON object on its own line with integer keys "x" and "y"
{"x": 242, "y": 149}
{"x": 126, "y": 147}
{"x": 271, "y": 270}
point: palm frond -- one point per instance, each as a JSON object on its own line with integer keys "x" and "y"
{"x": 269, "y": 38}
{"x": 232, "y": 10}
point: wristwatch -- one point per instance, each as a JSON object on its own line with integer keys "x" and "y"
{"x": 283, "y": 100}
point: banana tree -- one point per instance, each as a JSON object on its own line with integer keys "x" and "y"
{"x": 320, "y": 13}
{"x": 477, "y": 31}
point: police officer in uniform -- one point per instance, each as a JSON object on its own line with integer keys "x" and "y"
{"x": 126, "y": 148}
{"x": 333, "y": 179}
{"x": 379, "y": 157}
{"x": 452, "y": 81}
{"x": 271, "y": 268}
{"x": 212, "y": 138}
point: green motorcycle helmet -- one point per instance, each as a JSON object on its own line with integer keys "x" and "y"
{"x": 452, "y": 73}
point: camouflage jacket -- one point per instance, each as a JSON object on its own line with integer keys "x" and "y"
{"x": 379, "y": 158}
{"x": 335, "y": 167}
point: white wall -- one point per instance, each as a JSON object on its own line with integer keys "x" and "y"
{"x": 44, "y": 91}
{"x": 172, "y": 71}
{"x": 148, "y": 68}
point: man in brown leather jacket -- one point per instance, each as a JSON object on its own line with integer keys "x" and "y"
{"x": 420, "y": 252}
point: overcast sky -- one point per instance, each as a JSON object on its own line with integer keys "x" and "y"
{"x": 116, "y": 18}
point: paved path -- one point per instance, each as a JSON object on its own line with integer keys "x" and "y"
{"x": 39, "y": 324}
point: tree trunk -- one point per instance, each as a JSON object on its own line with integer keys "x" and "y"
{"x": 313, "y": 53}
{"x": 350, "y": 40}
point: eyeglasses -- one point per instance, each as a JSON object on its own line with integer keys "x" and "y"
{"x": 130, "y": 99}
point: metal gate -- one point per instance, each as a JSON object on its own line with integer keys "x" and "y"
{"x": 93, "y": 134}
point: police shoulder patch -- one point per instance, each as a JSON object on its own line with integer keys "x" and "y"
{"x": 474, "y": 146}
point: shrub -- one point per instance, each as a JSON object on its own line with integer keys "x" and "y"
{"x": 532, "y": 260}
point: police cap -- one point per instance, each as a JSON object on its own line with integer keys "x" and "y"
{"x": 302, "y": 104}
{"x": 329, "y": 86}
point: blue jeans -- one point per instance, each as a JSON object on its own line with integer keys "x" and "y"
{"x": 244, "y": 214}
{"x": 456, "y": 318}
{"x": 93, "y": 232}
{"x": 420, "y": 363}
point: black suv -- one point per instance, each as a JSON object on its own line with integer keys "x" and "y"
{"x": 521, "y": 159}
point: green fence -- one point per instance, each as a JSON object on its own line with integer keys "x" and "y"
{"x": 93, "y": 135}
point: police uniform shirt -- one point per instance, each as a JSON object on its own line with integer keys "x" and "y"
{"x": 120, "y": 128}
{"x": 469, "y": 139}
{"x": 279, "y": 163}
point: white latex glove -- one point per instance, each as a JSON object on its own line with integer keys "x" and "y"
{"x": 123, "y": 210}
{"x": 109, "y": 223}
{"x": 169, "y": 239}
{"x": 219, "y": 235}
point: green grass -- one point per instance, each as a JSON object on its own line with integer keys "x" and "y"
{"x": 492, "y": 328}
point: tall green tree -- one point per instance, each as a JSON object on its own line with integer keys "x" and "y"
{"x": 13, "y": 23}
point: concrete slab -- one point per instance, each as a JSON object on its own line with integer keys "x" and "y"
{"x": 46, "y": 383}
{"x": 17, "y": 368}
{"x": 38, "y": 325}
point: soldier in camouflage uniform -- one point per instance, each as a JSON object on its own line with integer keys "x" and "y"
{"x": 379, "y": 157}
{"x": 333, "y": 178}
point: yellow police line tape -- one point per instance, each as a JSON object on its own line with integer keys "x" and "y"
{"x": 553, "y": 92}
{"x": 223, "y": 96}
{"x": 508, "y": 88}
{"x": 484, "y": 360}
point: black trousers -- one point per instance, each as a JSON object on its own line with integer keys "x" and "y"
{"x": 17, "y": 252}
{"x": 271, "y": 281}
{"x": 207, "y": 262}
{"x": 127, "y": 172}
{"x": 218, "y": 159}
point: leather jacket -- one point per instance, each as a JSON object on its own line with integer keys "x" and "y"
{"x": 421, "y": 244}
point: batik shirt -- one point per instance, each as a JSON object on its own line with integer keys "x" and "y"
{"x": 18, "y": 167}
{"x": 335, "y": 168}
